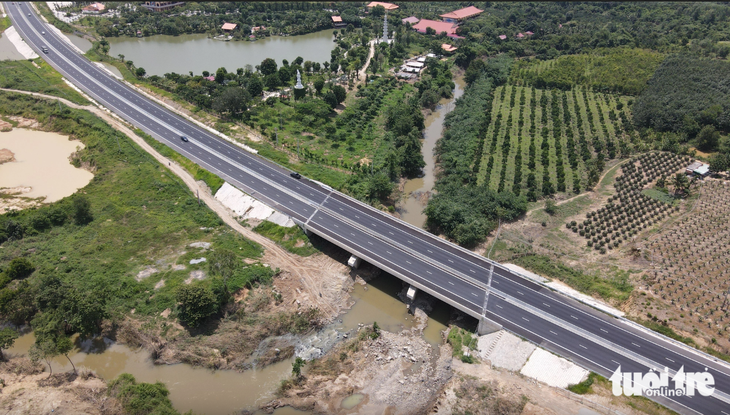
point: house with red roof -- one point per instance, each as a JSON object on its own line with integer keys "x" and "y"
{"x": 448, "y": 48}
{"x": 337, "y": 21}
{"x": 439, "y": 27}
{"x": 386, "y": 6}
{"x": 528, "y": 33}
{"x": 228, "y": 27}
{"x": 502, "y": 37}
{"x": 520, "y": 35}
{"x": 461, "y": 14}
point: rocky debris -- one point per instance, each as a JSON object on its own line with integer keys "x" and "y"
{"x": 6, "y": 156}
{"x": 145, "y": 273}
{"x": 202, "y": 245}
{"x": 197, "y": 261}
{"x": 195, "y": 275}
{"x": 160, "y": 284}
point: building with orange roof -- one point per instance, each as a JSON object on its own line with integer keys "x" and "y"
{"x": 439, "y": 27}
{"x": 227, "y": 27}
{"x": 461, "y": 14}
{"x": 386, "y": 6}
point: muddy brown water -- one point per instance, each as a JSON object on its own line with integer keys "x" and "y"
{"x": 41, "y": 162}
{"x": 410, "y": 207}
{"x": 224, "y": 392}
{"x": 162, "y": 54}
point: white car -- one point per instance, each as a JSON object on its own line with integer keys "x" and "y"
{"x": 43, "y": 33}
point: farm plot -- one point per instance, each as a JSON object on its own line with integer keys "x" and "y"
{"x": 693, "y": 258}
{"x": 630, "y": 211}
{"x": 543, "y": 142}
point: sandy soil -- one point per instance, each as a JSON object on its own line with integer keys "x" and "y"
{"x": 27, "y": 390}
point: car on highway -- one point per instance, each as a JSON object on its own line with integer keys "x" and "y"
{"x": 295, "y": 175}
{"x": 43, "y": 33}
{"x": 44, "y": 49}
{"x": 28, "y": 14}
{"x": 185, "y": 139}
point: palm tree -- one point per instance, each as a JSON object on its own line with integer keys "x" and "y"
{"x": 681, "y": 184}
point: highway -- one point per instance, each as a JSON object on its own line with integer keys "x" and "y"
{"x": 457, "y": 276}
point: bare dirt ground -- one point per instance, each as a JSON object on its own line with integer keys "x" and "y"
{"x": 397, "y": 373}
{"x": 6, "y": 156}
{"x": 26, "y": 390}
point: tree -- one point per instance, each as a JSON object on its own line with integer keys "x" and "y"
{"x": 708, "y": 138}
{"x": 411, "y": 158}
{"x": 272, "y": 81}
{"x": 140, "y": 72}
{"x": 82, "y": 210}
{"x": 331, "y": 99}
{"x": 45, "y": 350}
{"x": 719, "y": 162}
{"x": 319, "y": 84}
{"x": 7, "y": 338}
{"x": 223, "y": 263}
{"x": 195, "y": 303}
{"x": 340, "y": 93}
{"x": 429, "y": 99}
{"x": 268, "y": 66}
{"x": 141, "y": 398}
{"x": 233, "y": 100}
{"x": 380, "y": 186}
{"x": 550, "y": 207}
{"x": 50, "y": 340}
{"x": 681, "y": 184}
{"x": 255, "y": 87}
{"x": 121, "y": 57}
{"x": 298, "y": 61}
{"x": 284, "y": 75}
{"x": 296, "y": 369}
{"x": 220, "y": 75}
{"x": 19, "y": 268}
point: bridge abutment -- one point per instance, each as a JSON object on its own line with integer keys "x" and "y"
{"x": 487, "y": 326}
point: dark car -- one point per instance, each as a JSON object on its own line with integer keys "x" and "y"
{"x": 295, "y": 175}
{"x": 185, "y": 139}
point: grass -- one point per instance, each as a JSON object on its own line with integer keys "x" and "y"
{"x": 583, "y": 387}
{"x": 458, "y": 338}
{"x": 211, "y": 180}
{"x": 4, "y": 24}
{"x": 292, "y": 239}
{"x": 617, "y": 288}
{"x": 659, "y": 195}
{"x": 25, "y": 76}
{"x": 143, "y": 216}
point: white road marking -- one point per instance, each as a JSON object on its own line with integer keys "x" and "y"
{"x": 370, "y": 242}
{"x": 430, "y": 272}
{"x": 520, "y": 293}
{"x": 525, "y": 319}
{"x": 574, "y": 317}
{"x": 471, "y": 270}
{"x": 546, "y": 305}
{"x": 615, "y": 362}
{"x": 451, "y": 261}
{"x": 635, "y": 344}
{"x": 408, "y": 262}
{"x": 582, "y": 346}
{"x": 410, "y": 242}
{"x": 474, "y": 295}
{"x": 669, "y": 359}
{"x": 553, "y": 332}
{"x": 498, "y": 305}
{"x": 605, "y": 331}
{"x": 451, "y": 283}
{"x": 496, "y": 282}
{"x": 388, "y": 252}
{"x": 429, "y": 251}
{"x": 336, "y": 225}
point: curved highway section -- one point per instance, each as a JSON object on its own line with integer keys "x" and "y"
{"x": 475, "y": 285}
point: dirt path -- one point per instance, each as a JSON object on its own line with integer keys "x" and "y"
{"x": 361, "y": 72}
{"x": 324, "y": 279}
{"x": 580, "y": 195}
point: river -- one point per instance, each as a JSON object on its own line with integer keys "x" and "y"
{"x": 162, "y": 54}
{"x": 224, "y": 392}
{"x": 416, "y": 191}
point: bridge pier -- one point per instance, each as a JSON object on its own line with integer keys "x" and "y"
{"x": 353, "y": 262}
{"x": 411, "y": 294}
{"x": 487, "y": 326}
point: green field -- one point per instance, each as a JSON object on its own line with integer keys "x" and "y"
{"x": 592, "y": 124}
{"x": 43, "y": 79}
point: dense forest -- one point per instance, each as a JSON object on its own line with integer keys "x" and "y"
{"x": 463, "y": 210}
{"x": 288, "y": 18}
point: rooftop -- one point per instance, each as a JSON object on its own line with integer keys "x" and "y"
{"x": 386, "y": 6}
{"x": 449, "y": 28}
{"x": 448, "y": 48}
{"x": 337, "y": 19}
{"x": 462, "y": 13}
{"x": 412, "y": 20}
{"x": 229, "y": 26}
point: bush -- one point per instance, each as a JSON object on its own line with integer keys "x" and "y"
{"x": 141, "y": 398}
{"x": 195, "y": 303}
{"x": 19, "y": 268}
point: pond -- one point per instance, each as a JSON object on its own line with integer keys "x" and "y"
{"x": 41, "y": 162}
{"x": 161, "y": 54}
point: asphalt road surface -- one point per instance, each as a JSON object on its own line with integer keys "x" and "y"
{"x": 461, "y": 278}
